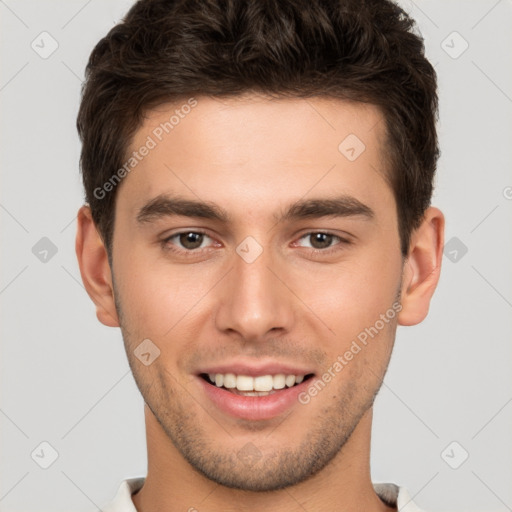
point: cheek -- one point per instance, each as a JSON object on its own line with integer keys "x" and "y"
{"x": 351, "y": 297}
{"x": 156, "y": 296}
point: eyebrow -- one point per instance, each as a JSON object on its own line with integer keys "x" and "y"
{"x": 166, "y": 206}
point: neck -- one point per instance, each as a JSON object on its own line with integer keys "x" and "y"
{"x": 172, "y": 484}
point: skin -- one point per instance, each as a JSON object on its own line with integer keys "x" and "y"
{"x": 253, "y": 157}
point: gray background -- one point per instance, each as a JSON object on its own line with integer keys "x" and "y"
{"x": 65, "y": 378}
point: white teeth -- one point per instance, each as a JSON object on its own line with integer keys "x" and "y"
{"x": 219, "y": 380}
{"x": 260, "y": 384}
{"x": 279, "y": 381}
{"x": 244, "y": 383}
{"x": 230, "y": 380}
{"x": 263, "y": 383}
{"x": 290, "y": 380}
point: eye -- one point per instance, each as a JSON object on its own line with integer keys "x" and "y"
{"x": 188, "y": 240}
{"x": 320, "y": 241}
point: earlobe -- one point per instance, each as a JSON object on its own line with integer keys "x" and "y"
{"x": 422, "y": 268}
{"x": 94, "y": 268}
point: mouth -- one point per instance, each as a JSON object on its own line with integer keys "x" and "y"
{"x": 257, "y": 386}
{"x": 254, "y": 398}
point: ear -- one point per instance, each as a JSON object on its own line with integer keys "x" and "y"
{"x": 94, "y": 268}
{"x": 422, "y": 268}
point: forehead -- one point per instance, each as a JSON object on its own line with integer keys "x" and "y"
{"x": 251, "y": 146}
{"x": 251, "y": 121}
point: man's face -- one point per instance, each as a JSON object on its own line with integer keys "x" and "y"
{"x": 271, "y": 279}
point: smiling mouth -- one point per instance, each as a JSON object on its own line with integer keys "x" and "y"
{"x": 262, "y": 385}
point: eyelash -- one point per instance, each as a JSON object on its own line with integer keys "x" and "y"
{"x": 168, "y": 246}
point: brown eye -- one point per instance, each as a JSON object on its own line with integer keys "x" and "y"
{"x": 187, "y": 241}
{"x": 320, "y": 240}
{"x": 191, "y": 240}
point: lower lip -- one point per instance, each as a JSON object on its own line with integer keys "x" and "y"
{"x": 253, "y": 407}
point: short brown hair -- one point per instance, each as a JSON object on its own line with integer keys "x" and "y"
{"x": 168, "y": 50}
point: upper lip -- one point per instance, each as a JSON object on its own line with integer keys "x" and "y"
{"x": 256, "y": 369}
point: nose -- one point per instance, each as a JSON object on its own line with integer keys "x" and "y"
{"x": 255, "y": 300}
